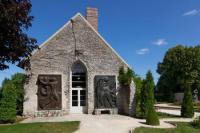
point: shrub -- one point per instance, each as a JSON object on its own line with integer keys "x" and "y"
{"x": 187, "y": 109}
{"x": 152, "y": 117}
{"x": 147, "y": 100}
{"x": 125, "y": 78}
{"x": 8, "y": 103}
{"x": 147, "y": 93}
{"x": 196, "y": 122}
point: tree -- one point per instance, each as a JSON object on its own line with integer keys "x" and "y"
{"x": 18, "y": 80}
{"x": 8, "y": 103}
{"x": 187, "y": 109}
{"x": 150, "y": 113}
{"x": 179, "y": 65}
{"x": 152, "y": 117}
{"x": 138, "y": 85}
{"x": 15, "y": 44}
{"x": 147, "y": 93}
{"x": 3, "y": 84}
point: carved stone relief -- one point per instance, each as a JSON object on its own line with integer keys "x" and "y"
{"x": 49, "y": 92}
{"x": 105, "y": 91}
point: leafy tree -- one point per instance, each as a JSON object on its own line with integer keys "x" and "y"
{"x": 8, "y": 103}
{"x": 3, "y": 84}
{"x": 18, "y": 80}
{"x": 180, "y": 64}
{"x": 187, "y": 109}
{"x": 15, "y": 44}
{"x": 164, "y": 89}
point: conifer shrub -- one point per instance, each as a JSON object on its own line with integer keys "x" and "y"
{"x": 187, "y": 109}
{"x": 152, "y": 117}
{"x": 8, "y": 103}
{"x": 138, "y": 85}
{"x": 148, "y": 100}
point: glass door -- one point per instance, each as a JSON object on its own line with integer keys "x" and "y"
{"x": 78, "y": 100}
{"x": 78, "y": 90}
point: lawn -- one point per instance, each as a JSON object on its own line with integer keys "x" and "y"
{"x": 181, "y": 128}
{"x": 165, "y": 115}
{"x": 47, "y": 127}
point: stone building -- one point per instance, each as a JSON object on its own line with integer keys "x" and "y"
{"x": 75, "y": 71}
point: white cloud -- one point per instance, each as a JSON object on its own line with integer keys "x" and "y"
{"x": 142, "y": 51}
{"x": 192, "y": 13}
{"x": 160, "y": 42}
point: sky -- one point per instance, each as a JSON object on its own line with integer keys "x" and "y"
{"x": 141, "y": 31}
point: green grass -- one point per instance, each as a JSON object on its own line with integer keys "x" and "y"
{"x": 47, "y": 127}
{"x": 181, "y": 128}
{"x": 165, "y": 115}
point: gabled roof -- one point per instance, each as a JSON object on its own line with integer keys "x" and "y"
{"x": 78, "y": 14}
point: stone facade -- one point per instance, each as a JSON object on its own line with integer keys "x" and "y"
{"x": 59, "y": 53}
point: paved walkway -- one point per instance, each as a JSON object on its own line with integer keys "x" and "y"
{"x": 110, "y": 123}
{"x": 103, "y": 123}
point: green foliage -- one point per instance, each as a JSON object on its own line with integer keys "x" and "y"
{"x": 196, "y": 122}
{"x": 164, "y": 93}
{"x": 147, "y": 93}
{"x": 147, "y": 100}
{"x": 125, "y": 78}
{"x": 152, "y": 117}
{"x": 18, "y": 80}
{"x": 14, "y": 21}
{"x": 180, "y": 64}
{"x": 138, "y": 85}
{"x": 3, "y": 84}
{"x": 187, "y": 109}
{"x": 8, "y": 103}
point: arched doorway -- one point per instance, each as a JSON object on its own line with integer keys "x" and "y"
{"x": 78, "y": 88}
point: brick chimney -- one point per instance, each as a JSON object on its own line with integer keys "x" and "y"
{"x": 92, "y": 17}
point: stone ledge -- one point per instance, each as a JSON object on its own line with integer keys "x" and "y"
{"x": 111, "y": 111}
{"x": 49, "y": 113}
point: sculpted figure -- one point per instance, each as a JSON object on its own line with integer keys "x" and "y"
{"x": 48, "y": 92}
{"x": 105, "y": 93}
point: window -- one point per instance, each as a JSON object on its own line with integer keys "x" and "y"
{"x": 78, "y": 75}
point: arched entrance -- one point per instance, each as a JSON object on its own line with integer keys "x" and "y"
{"x": 78, "y": 88}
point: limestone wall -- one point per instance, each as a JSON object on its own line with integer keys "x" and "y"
{"x": 57, "y": 56}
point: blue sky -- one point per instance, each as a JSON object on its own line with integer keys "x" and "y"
{"x": 141, "y": 31}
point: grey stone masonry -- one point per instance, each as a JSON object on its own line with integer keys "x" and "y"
{"x": 57, "y": 55}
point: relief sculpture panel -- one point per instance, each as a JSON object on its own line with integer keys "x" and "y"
{"x": 105, "y": 91}
{"x": 49, "y": 92}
